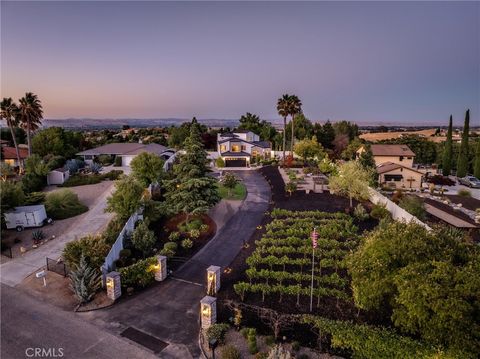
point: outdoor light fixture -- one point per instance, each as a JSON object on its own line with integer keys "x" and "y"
{"x": 213, "y": 280}
{"x": 113, "y": 284}
{"x": 160, "y": 268}
{"x": 208, "y": 311}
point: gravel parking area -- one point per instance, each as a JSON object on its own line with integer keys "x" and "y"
{"x": 88, "y": 195}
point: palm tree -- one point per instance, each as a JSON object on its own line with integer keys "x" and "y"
{"x": 31, "y": 113}
{"x": 295, "y": 109}
{"x": 283, "y": 108}
{"x": 9, "y": 113}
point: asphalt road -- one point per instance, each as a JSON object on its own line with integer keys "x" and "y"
{"x": 31, "y": 328}
{"x": 169, "y": 310}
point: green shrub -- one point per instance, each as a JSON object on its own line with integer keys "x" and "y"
{"x": 167, "y": 252}
{"x": 63, "y": 204}
{"x": 139, "y": 274}
{"x": 174, "y": 236}
{"x": 94, "y": 248}
{"x": 33, "y": 183}
{"x": 125, "y": 253}
{"x": 261, "y": 355}
{"x": 113, "y": 230}
{"x": 187, "y": 243}
{"x": 172, "y": 246}
{"x": 379, "y": 211}
{"x": 414, "y": 206}
{"x": 217, "y": 331}
{"x": 85, "y": 281}
{"x": 204, "y": 228}
{"x": 360, "y": 213}
{"x": 143, "y": 239}
{"x": 35, "y": 198}
{"x": 54, "y": 162}
{"x": 252, "y": 341}
{"x": 219, "y": 162}
{"x": 38, "y": 235}
{"x": 230, "y": 352}
{"x": 295, "y": 346}
{"x": 118, "y": 161}
{"x": 81, "y": 180}
{"x": 188, "y": 226}
{"x": 194, "y": 233}
{"x": 464, "y": 192}
{"x": 269, "y": 340}
{"x": 112, "y": 175}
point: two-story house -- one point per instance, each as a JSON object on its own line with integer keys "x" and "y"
{"x": 395, "y": 166}
{"x": 237, "y": 148}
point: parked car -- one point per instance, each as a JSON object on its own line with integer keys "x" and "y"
{"x": 27, "y": 216}
{"x": 470, "y": 181}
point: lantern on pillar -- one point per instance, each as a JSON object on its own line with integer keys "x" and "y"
{"x": 213, "y": 280}
{"x": 161, "y": 268}
{"x": 113, "y": 284}
{"x": 208, "y": 311}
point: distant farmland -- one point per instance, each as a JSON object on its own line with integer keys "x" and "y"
{"x": 379, "y": 136}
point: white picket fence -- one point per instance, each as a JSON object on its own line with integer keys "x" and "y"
{"x": 398, "y": 213}
{"x": 114, "y": 252}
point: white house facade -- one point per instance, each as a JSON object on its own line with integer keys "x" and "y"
{"x": 239, "y": 147}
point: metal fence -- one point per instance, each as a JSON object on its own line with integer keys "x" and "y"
{"x": 57, "y": 266}
{"x": 114, "y": 253}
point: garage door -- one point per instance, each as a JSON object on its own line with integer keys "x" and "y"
{"x": 238, "y": 162}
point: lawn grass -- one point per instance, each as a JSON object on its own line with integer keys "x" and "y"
{"x": 238, "y": 193}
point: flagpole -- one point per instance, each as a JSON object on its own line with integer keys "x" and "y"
{"x": 313, "y": 267}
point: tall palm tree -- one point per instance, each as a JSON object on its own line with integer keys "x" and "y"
{"x": 31, "y": 113}
{"x": 283, "y": 108}
{"x": 295, "y": 109}
{"x": 9, "y": 113}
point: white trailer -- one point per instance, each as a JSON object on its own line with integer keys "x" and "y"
{"x": 26, "y": 216}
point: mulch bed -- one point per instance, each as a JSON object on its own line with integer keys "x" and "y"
{"x": 329, "y": 307}
{"x": 467, "y": 202}
{"x": 448, "y": 209}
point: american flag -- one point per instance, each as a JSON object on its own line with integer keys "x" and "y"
{"x": 314, "y": 237}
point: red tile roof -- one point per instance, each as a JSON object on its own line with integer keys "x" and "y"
{"x": 9, "y": 153}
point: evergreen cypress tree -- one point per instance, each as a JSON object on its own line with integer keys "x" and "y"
{"x": 447, "y": 154}
{"x": 85, "y": 281}
{"x": 191, "y": 191}
{"x": 476, "y": 166}
{"x": 462, "y": 163}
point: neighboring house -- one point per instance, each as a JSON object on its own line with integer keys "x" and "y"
{"x": 398, "y": 176}
{"x": 57, "y": 176}
{"x": 395, "y": 166}
{"x": 9, "y": 155}
{"x": 237, "y": 148}
{"x": 400, "y": 154}
{"x": 127, "y": 151}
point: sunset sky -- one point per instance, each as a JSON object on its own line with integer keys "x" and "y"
{"x": 408, "y": 62}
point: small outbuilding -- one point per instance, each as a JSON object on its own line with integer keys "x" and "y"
{"x": 57, "y": 176}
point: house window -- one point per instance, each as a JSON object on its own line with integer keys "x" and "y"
{"x": 223, "y": 148}
{"x": 394, "y": 178}
{"x": 255, "y": 153}
{"x": 10, "y": 162}
{"x": 409, "y": 158}
{"x": 244, "y": 148}
{"x": 235, "y": 148}
{"x": 401, "y": 158}
{"x": 88, "y": 157}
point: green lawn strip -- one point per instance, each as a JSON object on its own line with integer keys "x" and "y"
{"x": 238, "y": 193}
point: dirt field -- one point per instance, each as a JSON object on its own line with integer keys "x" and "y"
{"x": 379, "y": 136}
{"x": 88, "y": 195}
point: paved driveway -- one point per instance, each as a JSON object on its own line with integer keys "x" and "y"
{"x": 169, "y": 310}
{"x": 14, "y": 271}
{"x": 30, "y": 323}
